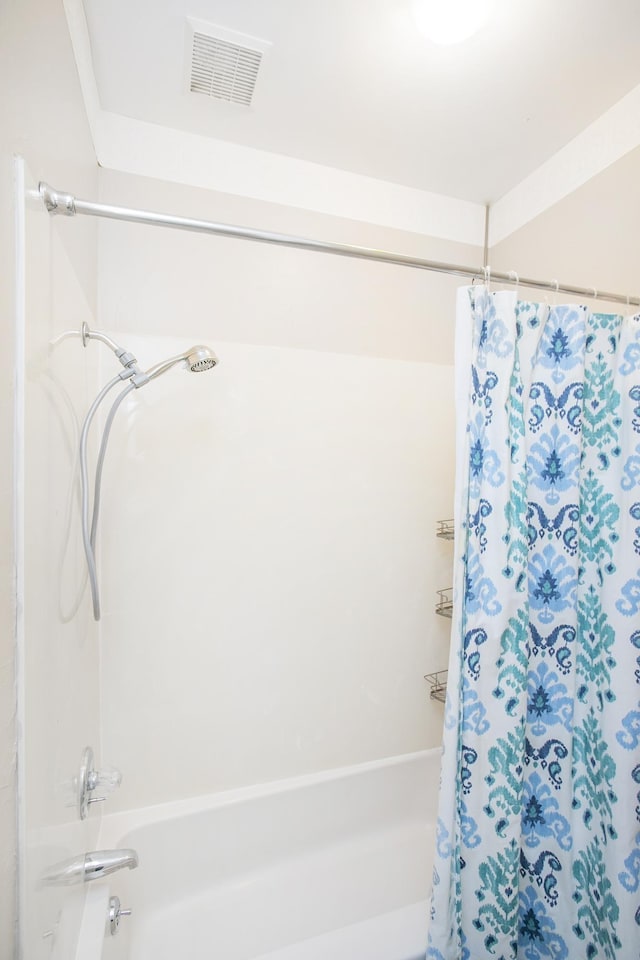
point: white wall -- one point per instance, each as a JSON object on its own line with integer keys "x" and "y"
{"x": 41, "y": 118}
{"x": 587, "y": 239}
{"x": 269, "y": 567}
{"x": 269, "y": 560}
{"x": 162, "y": 281}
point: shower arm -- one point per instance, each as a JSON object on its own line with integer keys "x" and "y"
{"x": 87, "y": 334}
{"x": 126, "y": 358}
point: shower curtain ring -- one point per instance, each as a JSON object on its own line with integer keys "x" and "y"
{"x": 556, "y": 287}
{"x": 487, "y": 277}
{"x": 513, "y": 276}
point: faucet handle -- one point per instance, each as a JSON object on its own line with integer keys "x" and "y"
{"x": 107, "y": 780}
{"x": 96, "y": 800}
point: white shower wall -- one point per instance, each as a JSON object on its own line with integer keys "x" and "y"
{"x": 269, "y": 565}
{"x": 268, "y": 552}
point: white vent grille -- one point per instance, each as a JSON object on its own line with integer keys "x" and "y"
{"x": 223, "y": 70}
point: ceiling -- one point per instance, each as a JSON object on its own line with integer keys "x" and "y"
{"x": 351, "y": 84}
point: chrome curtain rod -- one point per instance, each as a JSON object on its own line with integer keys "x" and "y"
{"x": 65, "y": 203}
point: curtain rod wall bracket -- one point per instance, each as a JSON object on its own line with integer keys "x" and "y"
{"x": 57, "y": 202}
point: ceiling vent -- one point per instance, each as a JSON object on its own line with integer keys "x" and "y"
{"x": 224, "y": 64}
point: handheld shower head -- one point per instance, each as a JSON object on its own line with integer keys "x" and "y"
{"x": 197, "y": 358}
{"x": 201, "y": 358}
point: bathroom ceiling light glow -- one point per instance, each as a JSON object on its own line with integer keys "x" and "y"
{"x": 451, "y": 21}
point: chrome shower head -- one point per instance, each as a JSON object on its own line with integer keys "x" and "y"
{"x": 201, "y": 358}
{"x": 197, "y": 358}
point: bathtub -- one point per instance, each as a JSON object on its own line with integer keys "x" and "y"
{"x": 333, "y": 865}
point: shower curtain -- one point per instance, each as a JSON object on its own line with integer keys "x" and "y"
{"x": 538, "y": 837}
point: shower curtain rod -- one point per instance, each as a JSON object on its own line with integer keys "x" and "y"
{"x": 65, "y": 203}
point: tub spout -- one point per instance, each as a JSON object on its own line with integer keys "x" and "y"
{"x": 90, "y": 866}
{"x": 101, "y": 863}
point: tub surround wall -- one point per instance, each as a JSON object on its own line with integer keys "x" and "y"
{"x": 59, "y": 712}
{"x": 269, "y": 564}
{"x": 8, "y": 730}
{"x": 42, "y": 119}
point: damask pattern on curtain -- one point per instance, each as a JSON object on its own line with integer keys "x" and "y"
{"x": 538, "y": 840}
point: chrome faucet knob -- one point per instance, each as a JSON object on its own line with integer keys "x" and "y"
{"x": 90, "y": 779}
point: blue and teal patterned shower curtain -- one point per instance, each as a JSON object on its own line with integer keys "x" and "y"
{"x": 538, "y": 840}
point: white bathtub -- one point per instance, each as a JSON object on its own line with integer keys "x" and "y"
{"x": 335, "y": 865}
